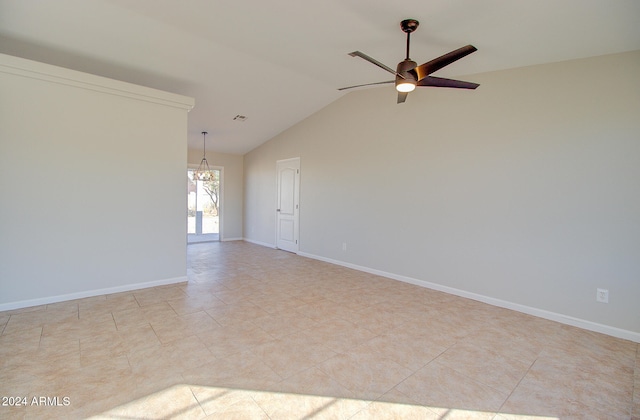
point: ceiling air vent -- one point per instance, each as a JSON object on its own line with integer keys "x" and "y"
{"x": 240, "y": 118}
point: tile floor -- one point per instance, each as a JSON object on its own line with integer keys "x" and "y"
{"x": 259, "y": 333}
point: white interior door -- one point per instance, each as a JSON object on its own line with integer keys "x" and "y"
{"x": 288, "y": 206}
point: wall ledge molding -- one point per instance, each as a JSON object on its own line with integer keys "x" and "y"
{"x": 541, "y": 313}
{"x": 60, "y": 75}
{"x": 90, "y": 293}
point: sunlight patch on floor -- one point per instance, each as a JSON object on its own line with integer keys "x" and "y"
{"x": 196, "y": 401}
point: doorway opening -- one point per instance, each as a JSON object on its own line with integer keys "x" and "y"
{"x": 203, "y": 208}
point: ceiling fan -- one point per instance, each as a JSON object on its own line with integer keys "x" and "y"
{"x": 409, "y": 74}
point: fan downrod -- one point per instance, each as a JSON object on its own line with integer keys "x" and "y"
{"x": 409, "y": 25}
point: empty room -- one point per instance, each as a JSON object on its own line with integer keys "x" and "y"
{"x": 391, "y": 210}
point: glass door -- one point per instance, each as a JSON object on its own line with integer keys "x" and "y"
{"x": 203, "y": 205}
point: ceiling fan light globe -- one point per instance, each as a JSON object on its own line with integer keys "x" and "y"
{"x": 405, "y": 86}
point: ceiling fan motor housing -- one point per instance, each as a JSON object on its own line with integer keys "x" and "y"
{"x": 405, "y": 72}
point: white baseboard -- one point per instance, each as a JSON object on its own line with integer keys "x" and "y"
{"x": 541, "y": 313}
{"x": 268, "y": 245}
{"x": 232, "y": 239}
{"x": 89, "y": 293}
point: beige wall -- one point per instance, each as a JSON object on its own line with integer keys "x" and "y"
{"x": 92, "y": 190}
{"x": 232, "y": 190}
{"x": 524, "y": 193}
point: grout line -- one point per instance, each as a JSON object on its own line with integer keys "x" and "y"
{"x": 41, "y": 334}
{"x": 196, "y": 398}
{"x": 4, "y": 327}
{"x": 114, "y": 321}
{"x": 156, "y": 334}
{"x": 517, "y": 385}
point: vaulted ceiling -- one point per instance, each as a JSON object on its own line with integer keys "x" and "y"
{"x": 278, "y": 61}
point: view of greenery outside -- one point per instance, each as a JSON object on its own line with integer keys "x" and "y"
{"x": 204, "y": 196}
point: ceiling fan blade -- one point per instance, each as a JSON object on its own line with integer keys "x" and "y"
{"x": 372, "y": 61}
{"x": 423, "y": 70}
{"x": 367, "y": 84}
{"x": 449, "y": 83}
{"x": 402, "y": 96}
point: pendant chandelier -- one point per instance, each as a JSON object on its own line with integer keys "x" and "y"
{"x": 203, "y": 173}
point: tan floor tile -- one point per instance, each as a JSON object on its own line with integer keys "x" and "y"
{"x": 319, "y": 310}
{"x": 500, "y": 341}
{"x": 25, "y": 309}
{"x": 228, "y": 403}
{"x": 240, "y": 411}
{"x": 80, "y": 328}
{"x": 180, "y": 327}
{"x": 597, "y": 343}
{"x": 368, "y": 377}
{"x": 240, "y": 313}
{"x": 121, "y": 296}
{"x": 395, "y": 411}
{"x": 229, "y": 340}
{"x": 23, "y": 340}
{"x": 69, "y": 381}
{"x": 404, "y": 404}
{"x": 220, "y": 401}
{"x": 143, "y": 315}
{"x": 408, "y": 350}
{"x": 592, "y": 351}
{"x": 438, "y": 386}
{"x": 107, "y": 305}
{"x": 437, "y": 323}
{"x": 283, "y": 323}
{"x": 555, "y": 383}
{"x": 540, "y": 399}
{"x": 155, "y": 295}
{"x": 196, "y": 289}
{"x": 174, "y": 357}
{"x": 314, "y": 381}
{"x": 380, "y": 321}
{"x": 232, "y": 297}
{"x": 64, "y": 306}
{"x": 39, "y": 364}
{"x": 484, "y": 366}
{"x": 177, "y": 402}
{"x": 101, "y": 347}
{"x": 196, "y": 303}
{"x": 340, "y": 335}
{"x": 292, "y": 354}
{"x": 58, "y": 345}
{"x": 293, "y": 406}
{"x": 275, "y": 304}
{"x": 39, "y": 318}
{"x": 138, "y": 337}
{"x": 242, "y": 370}
{"x": 17, "y": 378}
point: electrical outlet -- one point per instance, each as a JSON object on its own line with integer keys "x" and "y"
{"x": 344, "y": 246}
{"x": 602, "y": 295}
